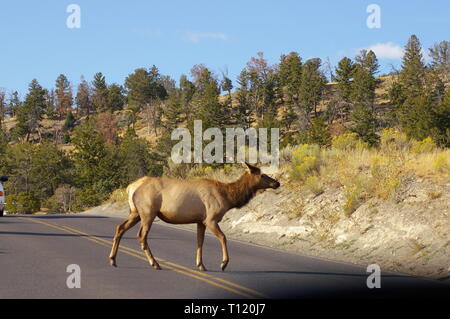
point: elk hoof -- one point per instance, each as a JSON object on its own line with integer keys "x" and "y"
{"x": 201, "y": 267}
{"x": 223, "y": 265}
{"x": 156, "y": 266}
{"x": 112, "y": 262}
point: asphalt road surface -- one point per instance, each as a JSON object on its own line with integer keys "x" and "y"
{"x": 35, "y": 252}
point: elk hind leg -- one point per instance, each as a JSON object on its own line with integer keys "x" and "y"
{"x": 132, "y": 219}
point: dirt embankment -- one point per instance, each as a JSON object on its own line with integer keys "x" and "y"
{"x": 410, "y": 233}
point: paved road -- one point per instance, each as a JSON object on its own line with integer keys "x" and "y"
{"x": 36, "y": 250}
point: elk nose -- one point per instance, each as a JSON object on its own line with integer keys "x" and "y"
{"x": 276, "y": 185}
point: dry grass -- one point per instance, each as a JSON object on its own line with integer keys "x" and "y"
{"x": 314, "y": 185}
{"x": 370, "y": 172}
{"x": 362, "y": 172}
{"x": 118, "y": 196}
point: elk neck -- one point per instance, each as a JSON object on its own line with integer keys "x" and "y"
{"x": 240, "y": 192}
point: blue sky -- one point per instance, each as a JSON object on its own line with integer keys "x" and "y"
{"x": 117, "y": 37}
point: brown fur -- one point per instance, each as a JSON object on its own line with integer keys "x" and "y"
{"x": 201, "y": 201}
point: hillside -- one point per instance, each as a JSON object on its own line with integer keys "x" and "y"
{"x": 348, "y": 201}
{"x": 389, "y": 206}
{"x": 53, "y": 128}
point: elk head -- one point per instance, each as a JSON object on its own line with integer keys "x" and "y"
{"x": 261, "y": 181}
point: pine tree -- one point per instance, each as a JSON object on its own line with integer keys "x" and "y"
{"x": 289, "y": 117}
{"x": 397, "y": 97}
{"x": 84, "y": 99}
{"x": 365, "y": 124}
{"x": 242, "y": 117}
{"x": 208, "y": 108}
{"x": 187, "y": 90}
{"x": 441, "y": 128}
{"x": 31, "y": 111}
{"x": 3, "y": 107}
{"x": 97, "y": 164}
{"x": 116, "y": 98}
{"x": 416, "y": 114}
{"x": 312, "y": 87}
{"x": 173, "y": 110}
{"x": 51, "y": 104}
{"x": 364, "y": 82}
{"x": 363, "y": 88}
{"x": 440, "y": 54}
{"x": 63, "y": 96}
{"x": 145, "y": 90}
{"x": 99, "y": 92}
{"x": 318, "y": 133}
{"x": 14, "y": 103}
{"x": 344, "y": 74}
{"x": 259, "y": 74}
{"x": 413, "y": 68}
{"x": 135, "y": 156}
{"x": 369, "y": 61}
{"x": 227, "y": 86}
{"x": 69, "y": 123}
{"x": 290, "y": 74}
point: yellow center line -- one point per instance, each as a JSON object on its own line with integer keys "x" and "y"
{"x": 160, "y": 260}
{"x": 170, "y": 265}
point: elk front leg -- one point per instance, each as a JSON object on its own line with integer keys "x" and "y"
{"x": 200, "y": 238}
{"x": 215, "y": 229}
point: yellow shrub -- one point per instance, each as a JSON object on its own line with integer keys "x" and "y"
{"x": 207, "y": 169}
{"x": 345, "y": 141}
{"x": 391, "y": 138}
{"x": 386, "y": 176}
{"x": 119, "y": 195}
{"x": 353, "y": 199}
{"x": 305, "y": 160}
{"x": 442, "y": 163}
{"x": 424, "y": 146}
{"x": 313, "y": 184}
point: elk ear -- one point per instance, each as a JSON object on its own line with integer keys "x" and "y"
{"x": 253, "y": 169}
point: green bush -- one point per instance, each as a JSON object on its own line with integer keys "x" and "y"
{"x": 85, "y": 198}
{"x": 53, "y": 205}
{"x": 318, "y": 133}
{"x": 22, "y": 203}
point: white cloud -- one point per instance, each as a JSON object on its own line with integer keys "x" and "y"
{"x": 388, "y": 50}
{"x": 196, "y": 37}
{"x": 151, "y": 32}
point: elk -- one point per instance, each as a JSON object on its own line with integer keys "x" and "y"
{"x": 200, "y": 201}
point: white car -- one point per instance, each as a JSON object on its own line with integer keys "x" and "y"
{"x": 2, "y": 194}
